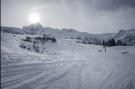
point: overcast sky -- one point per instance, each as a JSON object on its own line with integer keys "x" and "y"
{"x": 93, "y": 16}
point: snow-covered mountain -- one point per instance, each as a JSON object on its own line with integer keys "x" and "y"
{"x": 126, "y": 36}
{"x": 38, "y": 29}
{"x": 12, "y": 30}
{"x": 65, "y": 33}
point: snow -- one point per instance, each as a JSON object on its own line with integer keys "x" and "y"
{"x": 38, "y": 29}
{"x": 126, "y": 36}
{"x": 65, "y": 65}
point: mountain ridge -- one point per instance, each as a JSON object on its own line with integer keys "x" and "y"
{"x": 38, "y": 29}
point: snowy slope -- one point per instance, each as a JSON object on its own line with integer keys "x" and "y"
{"x": 12, "y": 30}
{"x": 126, "y": 36}
{"x": 38, "y": 29}
{"x": 66, "y": 33}
{"x": 66, "y": 65}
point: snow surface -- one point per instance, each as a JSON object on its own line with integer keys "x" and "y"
{"x": 66, "y": 65}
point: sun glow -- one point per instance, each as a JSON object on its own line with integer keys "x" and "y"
{"x": 34, "y": 18}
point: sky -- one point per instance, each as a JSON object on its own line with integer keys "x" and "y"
{"x": 93, "y": 16}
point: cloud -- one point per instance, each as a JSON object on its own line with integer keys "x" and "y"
{"x": 108, "y": 4}
{"x": 94, "y": 16}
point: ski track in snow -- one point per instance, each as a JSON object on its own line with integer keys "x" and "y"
{"x": 78, "y": 66}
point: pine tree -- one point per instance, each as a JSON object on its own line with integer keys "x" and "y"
{"x": 119, "y": 43}
{"x": 53, "y": 39}
{"x": 103, "y": 43}
{"x": 113, "y": 42}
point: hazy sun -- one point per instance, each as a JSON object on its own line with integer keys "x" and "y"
{"x": 34, "y": 18}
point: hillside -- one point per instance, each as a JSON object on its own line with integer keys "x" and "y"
{"x": 65, "y": 65}
{"x": 38, "y": 29}
{"x": 126, "y": 36}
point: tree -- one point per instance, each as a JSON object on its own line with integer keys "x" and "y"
{"x": 103, "y": 43}
{"x": 110, "y": 43}
{"x": 119, "y": 43}
{"x": 44, "y": 37}
{"x": 53, "y": 39}
{"x": 113, "y": 42}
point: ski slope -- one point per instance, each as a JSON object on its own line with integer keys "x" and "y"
{"x": 66, "y": 65}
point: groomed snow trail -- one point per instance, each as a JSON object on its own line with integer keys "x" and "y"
{"x": 71, "y": 66}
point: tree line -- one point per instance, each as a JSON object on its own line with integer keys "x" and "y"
{"x": 109, "y": 43}
{"x": 112, "y": 42}
{"x": 37, "y": 43}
